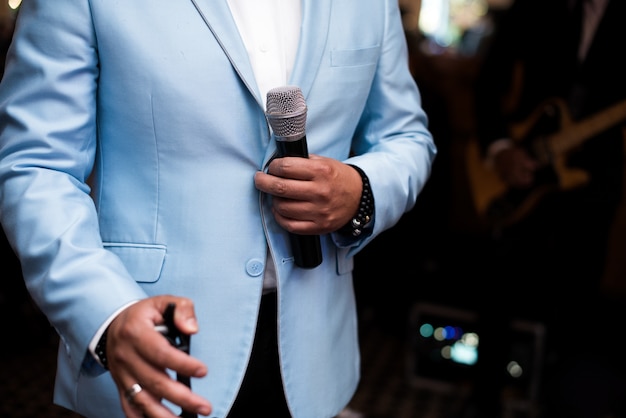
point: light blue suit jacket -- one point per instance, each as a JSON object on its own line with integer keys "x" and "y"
{"x": 130, "y": 132}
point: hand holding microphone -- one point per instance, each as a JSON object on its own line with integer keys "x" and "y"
{"x": 286, "y": 113}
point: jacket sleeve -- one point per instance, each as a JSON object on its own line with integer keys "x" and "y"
{"x": 392, "y": 143}
{"x": 47, "y": 149}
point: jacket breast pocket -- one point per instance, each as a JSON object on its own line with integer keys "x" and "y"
{"x": 144, "y": 262}
{"x": 354, "y": 57}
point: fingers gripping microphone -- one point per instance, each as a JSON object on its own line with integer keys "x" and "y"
{"x": 286, "y": 113}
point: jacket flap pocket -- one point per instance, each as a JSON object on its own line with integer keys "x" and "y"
{"x": 143, "y": 261}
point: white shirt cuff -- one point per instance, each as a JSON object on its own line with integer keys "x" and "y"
{"x": 103, "y": 327}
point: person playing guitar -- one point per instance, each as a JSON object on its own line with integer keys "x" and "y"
{"x": 550, "y": 128}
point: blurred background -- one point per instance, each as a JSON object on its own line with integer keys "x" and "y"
{"x": 419, "y": 320}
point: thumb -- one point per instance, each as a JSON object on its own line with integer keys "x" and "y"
{"x": 184, "y": 313}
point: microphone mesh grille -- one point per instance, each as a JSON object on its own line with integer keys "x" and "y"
{"x": 286, "y": 111}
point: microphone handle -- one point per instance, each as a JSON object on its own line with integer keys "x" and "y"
{"x": 307, "y": 250}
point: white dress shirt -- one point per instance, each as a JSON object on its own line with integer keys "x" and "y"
{"x": 270, "y": 30}
{"x": 593, "y": 10}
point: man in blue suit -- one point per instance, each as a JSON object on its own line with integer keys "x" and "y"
{"x": 138, "y": 169}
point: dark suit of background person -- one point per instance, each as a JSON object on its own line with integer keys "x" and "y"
{"x": 548, "y": 267}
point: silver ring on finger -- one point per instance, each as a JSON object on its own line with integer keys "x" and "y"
{"x": 132, "y": 392}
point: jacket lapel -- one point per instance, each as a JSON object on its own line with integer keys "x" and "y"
{"x": 315, "y": 24}
{"x": 216, "y": 14}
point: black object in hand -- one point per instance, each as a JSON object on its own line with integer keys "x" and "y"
{"x": 179, "y": 340}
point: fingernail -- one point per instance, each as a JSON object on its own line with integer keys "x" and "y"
{"x": 192, "y": 324}
{"x": 204, "y": 410}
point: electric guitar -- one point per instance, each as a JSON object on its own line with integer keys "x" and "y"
{"x": 549, "y": 134}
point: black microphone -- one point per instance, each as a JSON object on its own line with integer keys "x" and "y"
{"x": 286, "y": 113}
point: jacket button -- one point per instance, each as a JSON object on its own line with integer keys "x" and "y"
{"x": 255, "y": 267}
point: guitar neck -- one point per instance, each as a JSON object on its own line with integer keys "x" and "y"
{"x": 576, "y": 133}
